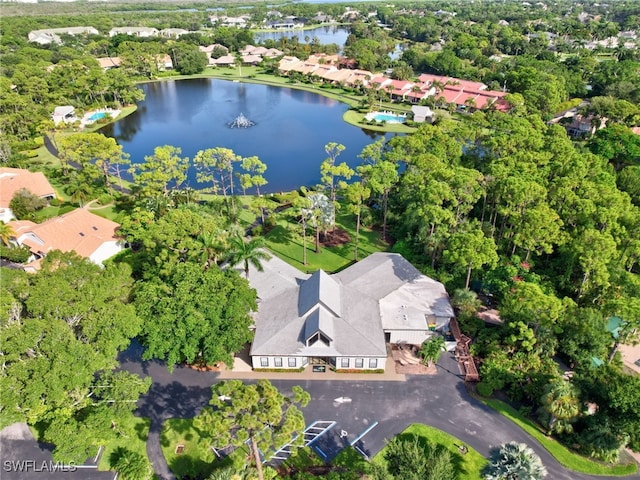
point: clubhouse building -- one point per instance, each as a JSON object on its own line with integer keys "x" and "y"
{"x": 344, "y": 320}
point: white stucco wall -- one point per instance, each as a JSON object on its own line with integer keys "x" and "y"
{"x": 6, "y": 215}
{"x": 105, "y": 251}
{"x": 303, "y": 361}
{"x": 380, "y": 363}
{"x": 300, "y": 362}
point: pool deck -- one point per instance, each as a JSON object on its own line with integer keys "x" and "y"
{"x": 401, "y": 118}
{"x": 86, "y": 119}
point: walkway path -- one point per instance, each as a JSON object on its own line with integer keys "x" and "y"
{"x": 438, "y": 400}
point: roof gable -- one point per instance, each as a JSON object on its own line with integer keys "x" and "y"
{"x": 321, "y": 289}
{"x": 320, "y": 320}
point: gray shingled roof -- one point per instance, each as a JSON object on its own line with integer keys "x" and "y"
{"x": 353, "y": 307}
{"x": 320, "y": 287}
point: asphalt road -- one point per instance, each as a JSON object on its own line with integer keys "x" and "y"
{"x": 440, "y": 401}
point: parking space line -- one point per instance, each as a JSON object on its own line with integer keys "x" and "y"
{"x": 371, "y": 427}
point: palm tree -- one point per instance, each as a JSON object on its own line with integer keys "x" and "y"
{"x": 321, "y": 214}
{"x": 514, "y": 461}
{"x": 6, "y": 232}
{"x": 247, "y": 252}
{"x": 130, "y": 465}
{"x": 212, "y": 245}
{"x": 466, "y": 302}
{"x": 79, "y": 190}
{"x": 431, "y": 349}
{"x": 560, "y": 406}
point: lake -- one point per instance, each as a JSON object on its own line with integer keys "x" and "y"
{"x": 290, "y": 132}
{"x": 325, "y": 34}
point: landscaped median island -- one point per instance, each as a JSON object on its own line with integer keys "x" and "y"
{"x": 184, "y": 448}
{"x": 136, "y": 441}
{"x": 567, "y": 458}
{"x": 465, "y": 466}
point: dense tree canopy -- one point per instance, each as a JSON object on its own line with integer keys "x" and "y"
{"x": 195, "y": 315}
{"x": 61, "y": 331}
{"x": 258, "y": 413}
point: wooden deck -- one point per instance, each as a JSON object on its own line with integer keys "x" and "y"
{"x": 465, "y": 361}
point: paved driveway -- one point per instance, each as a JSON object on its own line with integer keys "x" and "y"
{"x": 440, "y": 401}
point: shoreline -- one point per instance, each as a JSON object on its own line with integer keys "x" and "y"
{"x": 352, "y": 100}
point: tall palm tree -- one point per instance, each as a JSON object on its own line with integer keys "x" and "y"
{"x": 6, "y": 232}
{"x": 249, "y": 252}
{"x": 79, "y": 190}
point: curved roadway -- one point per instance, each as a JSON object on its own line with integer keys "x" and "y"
{"x": 440, "y": 401}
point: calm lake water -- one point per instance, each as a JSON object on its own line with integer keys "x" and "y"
{"x": 292, "y": 127}
{"x": 326, "y": 34}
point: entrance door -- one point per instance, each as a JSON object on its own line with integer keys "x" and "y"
{"x": 330, "y": 361}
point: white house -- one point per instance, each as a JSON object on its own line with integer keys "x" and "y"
{"x": 64, "y": 113}
{"x": 142, "y": 32}
{"x": 422, "y": 114}
{"x": 52, "y": 35}
{"x": 173, "y": 32}
{"x": 343, "y": 320}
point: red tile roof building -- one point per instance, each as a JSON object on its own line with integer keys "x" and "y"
{"x": 14, "y": 179}
{"x": 461, "y": 93}
{"x": 80, "y": 231}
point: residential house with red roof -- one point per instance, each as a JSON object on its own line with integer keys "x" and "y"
{"x": 80, "y": 231}
{"x": 14, "y": 179}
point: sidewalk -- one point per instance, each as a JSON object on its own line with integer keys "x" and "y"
{"x": 242, "y": 370}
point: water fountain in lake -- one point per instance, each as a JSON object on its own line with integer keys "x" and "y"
{"x": 241, "y": 122}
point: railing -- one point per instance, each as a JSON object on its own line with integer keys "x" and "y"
{"x": 465, "y": 360}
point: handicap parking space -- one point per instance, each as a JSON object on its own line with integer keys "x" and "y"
{"x": 340, "y": 436}
{"x": 329, "y": 445}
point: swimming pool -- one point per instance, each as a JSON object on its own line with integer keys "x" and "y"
{"x": 385, "y": 117}
{"x": 97, "y": 116}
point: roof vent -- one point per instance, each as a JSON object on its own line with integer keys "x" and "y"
{"x": 95, "y": 228}
{"x": 81, "y": 234}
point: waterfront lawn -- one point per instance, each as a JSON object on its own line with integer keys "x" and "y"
{"x": 562, "y": 454}
{"x": 136, "y": 442}
{"x": 285, "y": 240}
{"x": 355, "y": 118}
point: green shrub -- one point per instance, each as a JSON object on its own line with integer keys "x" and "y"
{"x": 279, "y": 370}
{"x": 269, "y": 221}
{"x": 14, "y": 254}
{"x": 54, "y": 202}
{"x": 66, "y": 209}
{"x": 257, "y": 231}
{"x": 105, "y": 199}
{"x": 485, "y": 389}
{"x": 286, "y": 197}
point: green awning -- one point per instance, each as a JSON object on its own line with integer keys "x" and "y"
{"x": 614, "y": 325}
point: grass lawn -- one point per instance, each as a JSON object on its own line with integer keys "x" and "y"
{"x": 109, "y": 212}
{"x": 192, "y": 461}
{"x": 285, "y": 240}
{"x": 137, "y": 443}
{"x": 561, "y": 453}
{"x": 50, "y": 211}
{"x": 468, "y": 466}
